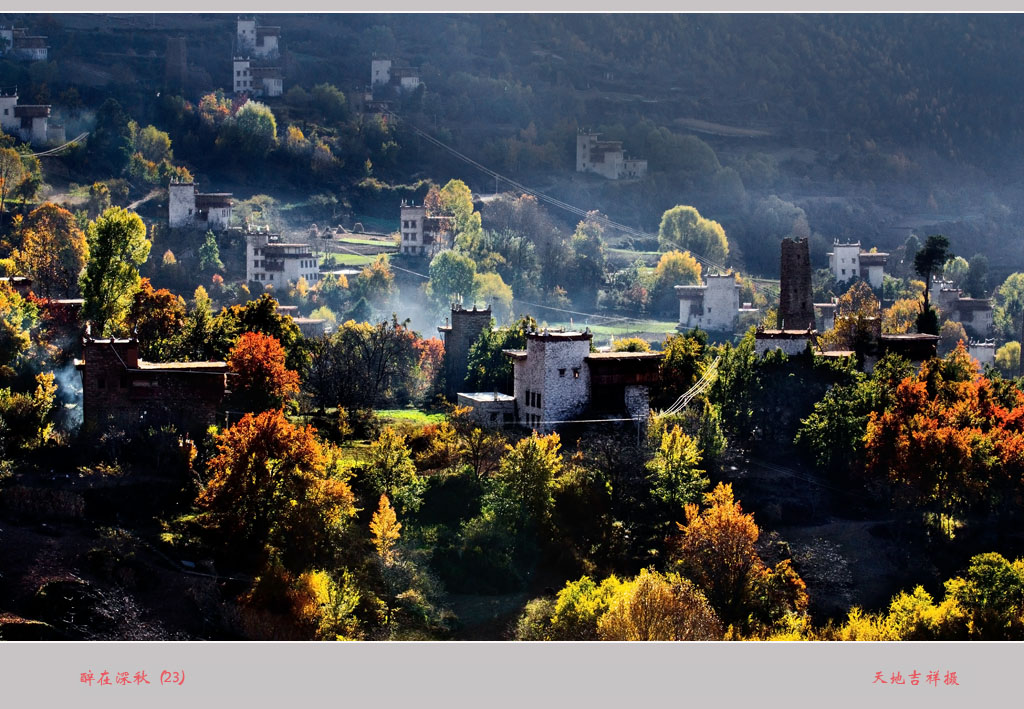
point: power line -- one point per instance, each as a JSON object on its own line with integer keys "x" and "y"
{"x": 53, "y": 151}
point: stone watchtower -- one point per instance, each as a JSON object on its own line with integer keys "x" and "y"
{"x": 796, "y": 311}
{"x": 459, "y": 334}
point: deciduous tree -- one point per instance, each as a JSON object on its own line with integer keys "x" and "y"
{"x": 117, "y": 247}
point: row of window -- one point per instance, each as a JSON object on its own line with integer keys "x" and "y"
{"x": 533, "y": 398}
{"x": 532, "y": 420}
{"x": 242, "y": 72}
{"x": 406, "y": 236}
{"x": 575, "y": 372}
{"x": 408, "y": 223}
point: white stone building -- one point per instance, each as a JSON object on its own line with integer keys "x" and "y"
{"x": 557, "y": 379}
{"x": 383, "y": 72}
{"x": 984, "y": 352}
{"x": 422, "y": 234}
{"x": 29, "y": 122}
{"x": 188, "y": 208}
{"x": 257, "y": 80}
{"x": 849, "y": 261}
{"x": 975, "y": 314}
{"x": 17, "y": 43}
{"x": 270, "y": 261}
{"x": 260, "y": 41}
{"x": 606, "y": 158}
{"x": 380, "y": 72}
{"x": 714, "y": 306}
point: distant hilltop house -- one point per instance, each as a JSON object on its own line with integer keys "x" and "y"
{"x": 120, "y": 388}
{"x": 606, "y": 158}
{"x": 975, "y": 314}
{"x": 271, "y": 261}
{"x": 260, "y": 41}
{"x": 257, "y": 80}
{"x": 557, "y": 379}
{"x": 849, "y": 261}
{"x": 188, "y": 208}
{"x": 17, "y": 43}
{"x": 423, "y": 234}
{"x": 383, "y": 72}
{"x": 714, "y": 306}
{"x": 30, "y": 123}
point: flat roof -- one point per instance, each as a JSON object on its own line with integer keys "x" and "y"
{"x": 783, "y": 334}
{"x": 617, "y": 356}
{"x": 158, "y": 366}
{"x": 486, "y": 396}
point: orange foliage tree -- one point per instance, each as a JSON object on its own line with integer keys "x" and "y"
{"x": 157, "y": 317}
{"x": 262, "y": 379}
{"x": 272, "y": 486}
{"x": 716, "y": 548}
{"x": 53, "y": 251}
{"x": 951, "y": 440}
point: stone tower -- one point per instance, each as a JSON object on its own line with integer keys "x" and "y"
{"x": 796, "y": 311}
{"x": 176, "y": 64}
{"x": 459, "y": 334}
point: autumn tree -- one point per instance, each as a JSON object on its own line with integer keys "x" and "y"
{"x": 857, "y": 312}
{"x": 117, "y": 247}
{"x": 520, "y": 494}
{"x": 675, "y": 473}
{"x": 948, "y": 440}
{"x": 11, "y": 171}
{"x": 655, "y": 607}
{"x": 53, "y": 251}
{"x": 156, "y": 318}
{"x": 1008, "y": 359}
{"x": 385, "y": 529}
{"x": 683, "y": 227}
{"x": 455, "y": 199}
{"x": 17, "y": 318}
{"x": 675, "y": 268}
{"x": 389, "y": 470}
{"x": 259, "y": 315}
{"x": 375, "y": 283}
{"x": 262, "y": 379}
{"x": 271, "y": 485}
{"x": 901, "y": 316}
{"x": 716, "y": 548}
{"x": 631, "y": 344}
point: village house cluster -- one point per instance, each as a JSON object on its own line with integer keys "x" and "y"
{"x": 255, "y": 59}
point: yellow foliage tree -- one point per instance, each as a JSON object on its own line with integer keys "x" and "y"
{"x": 385, "y": 529}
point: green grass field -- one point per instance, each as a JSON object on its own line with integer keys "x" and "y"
{"x": 624, "y": 329}
{"x": 365, "y": 242}
{"x": 351, "y": 259}
{"x": 414, "y": 415}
